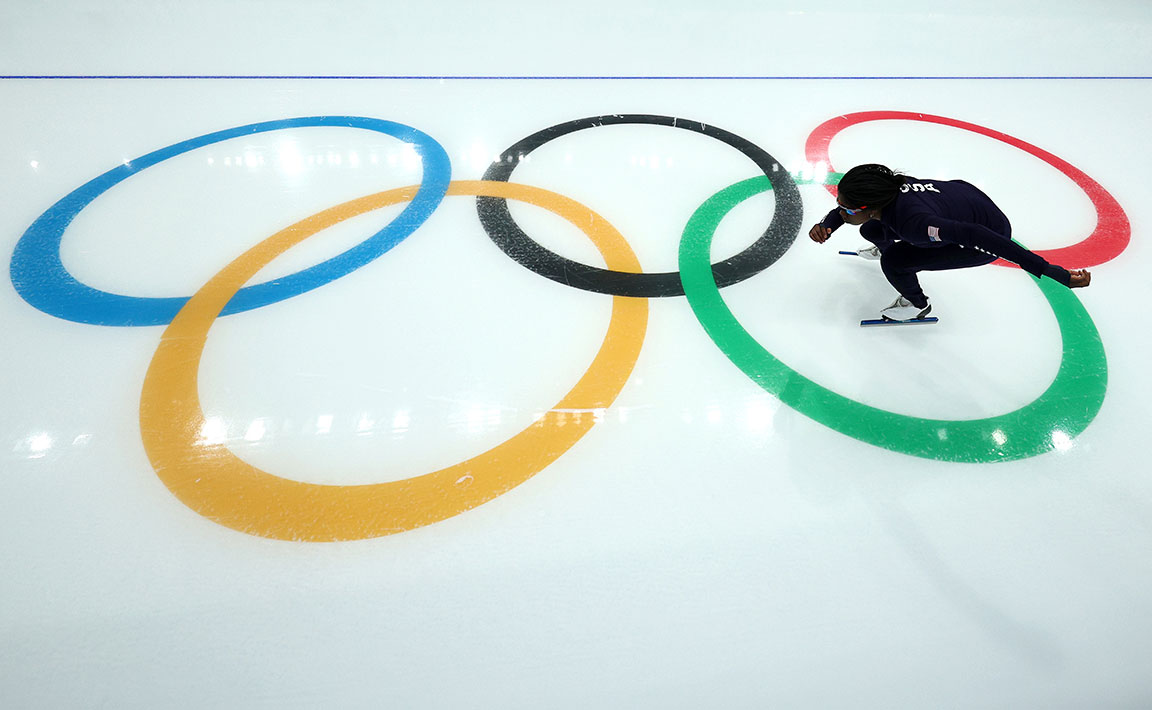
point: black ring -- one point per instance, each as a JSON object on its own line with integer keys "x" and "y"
{"x": 764, "y": 252}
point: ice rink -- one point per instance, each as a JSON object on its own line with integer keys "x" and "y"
{"x": 360, "y": 355}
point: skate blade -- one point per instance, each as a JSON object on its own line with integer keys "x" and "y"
{"x": 913, "y": 321}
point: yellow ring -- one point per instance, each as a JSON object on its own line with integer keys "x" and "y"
{"x": 212, "y": 481}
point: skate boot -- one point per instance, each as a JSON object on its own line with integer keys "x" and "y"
{"x": 902, "y": 310}
{"x": 871, "y": 253}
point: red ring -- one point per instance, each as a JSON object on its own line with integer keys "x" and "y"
{"x": 1105, "y": 243}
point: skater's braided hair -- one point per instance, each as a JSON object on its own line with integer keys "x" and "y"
{"x": 869, "y": 185}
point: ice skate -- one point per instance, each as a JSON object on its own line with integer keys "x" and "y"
{"x": 902, "y": 312}
{"x": 871, "y": 253}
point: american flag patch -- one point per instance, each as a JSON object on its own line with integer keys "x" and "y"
{"x": 934, "y": 233}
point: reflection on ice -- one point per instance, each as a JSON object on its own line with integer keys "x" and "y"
{"x": 214, "y": 432}
{"x": 1061, "y": 440}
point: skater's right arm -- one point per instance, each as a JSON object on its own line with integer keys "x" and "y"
{"x": 1079, "y": 278}
{"x": 915, "y": 227}
{"x": 822, "y": 231}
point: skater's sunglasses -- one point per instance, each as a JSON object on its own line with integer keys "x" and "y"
{"x": 849, "y": 211}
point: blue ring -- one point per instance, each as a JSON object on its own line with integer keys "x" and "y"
{"x": 41, "y": 279}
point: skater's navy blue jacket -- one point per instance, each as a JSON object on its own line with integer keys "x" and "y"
{"x": 932, "y": 213}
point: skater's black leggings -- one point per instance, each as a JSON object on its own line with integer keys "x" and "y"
{"x": 901, "y": 261}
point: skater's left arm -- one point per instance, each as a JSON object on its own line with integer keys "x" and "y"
{"x": 832, "y": 221}
{"x": 822, "y": 231}
{"x": 923, "y": 227}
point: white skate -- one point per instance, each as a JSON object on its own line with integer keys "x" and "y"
{"x": 902, "y": 310}
{"x": 871, "y": 253}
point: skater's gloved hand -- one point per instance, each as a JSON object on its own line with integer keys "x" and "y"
{"x": 1080, "y": 278}
{"x": 820, "y": 234}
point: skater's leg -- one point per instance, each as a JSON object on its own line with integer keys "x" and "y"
{"x": 902, "y": 261}
{"x": 873, "y": 231}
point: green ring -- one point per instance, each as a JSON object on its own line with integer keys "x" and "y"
{"x": 1065, "y": 409}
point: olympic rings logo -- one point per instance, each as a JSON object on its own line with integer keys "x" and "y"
{"x": 212, "y": 481}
